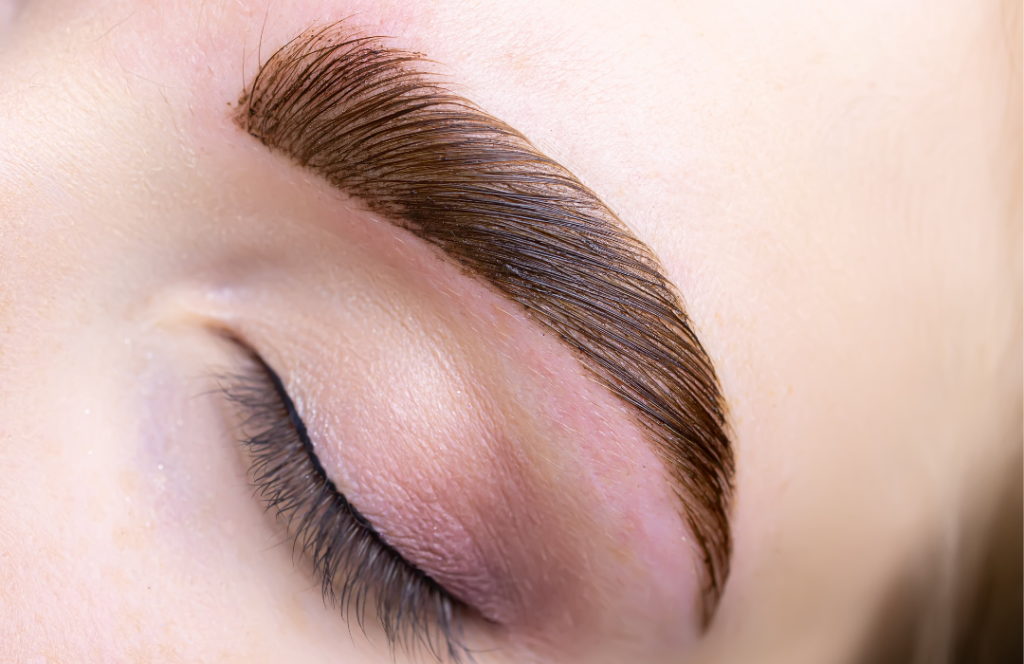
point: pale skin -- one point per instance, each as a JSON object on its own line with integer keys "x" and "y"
{"x": 835, "y": 191}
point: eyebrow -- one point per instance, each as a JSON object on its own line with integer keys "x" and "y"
{"x": 378, "y": 125}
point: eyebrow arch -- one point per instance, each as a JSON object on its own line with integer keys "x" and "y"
{"x": 378, "y": 125}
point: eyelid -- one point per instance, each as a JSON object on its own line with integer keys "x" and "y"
{"x": 355, "y": 566}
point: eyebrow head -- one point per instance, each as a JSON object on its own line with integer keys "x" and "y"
{"x": 374, "y": 123}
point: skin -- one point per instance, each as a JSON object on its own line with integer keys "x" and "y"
{"x": 836, "y": 193}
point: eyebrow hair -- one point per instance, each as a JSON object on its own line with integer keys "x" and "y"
{"x": 378, "y": 125}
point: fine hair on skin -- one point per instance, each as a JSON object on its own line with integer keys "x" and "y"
{"x": 377, "y": 124}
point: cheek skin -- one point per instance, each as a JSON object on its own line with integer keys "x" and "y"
{"x": 475, "y": 443}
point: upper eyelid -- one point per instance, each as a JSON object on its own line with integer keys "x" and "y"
{"x": 476, "y": 188}
{"x": 329, "y": 530}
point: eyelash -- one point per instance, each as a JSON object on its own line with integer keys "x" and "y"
{"x": 356, "y": 568}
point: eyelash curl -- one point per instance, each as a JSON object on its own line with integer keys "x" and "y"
{"x": 358, "y": 571}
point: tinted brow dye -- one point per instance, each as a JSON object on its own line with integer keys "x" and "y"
{"x": 374, "y": 123}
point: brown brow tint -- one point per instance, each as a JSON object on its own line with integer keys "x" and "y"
{"x": 373, "y": 122}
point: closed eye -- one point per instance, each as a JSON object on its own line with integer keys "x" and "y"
{"x": 358, "y": 571}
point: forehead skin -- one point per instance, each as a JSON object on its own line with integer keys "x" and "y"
{"x": 835, "y": 192}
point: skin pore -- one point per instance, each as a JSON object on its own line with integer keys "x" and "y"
{"x": 834, "y": 193}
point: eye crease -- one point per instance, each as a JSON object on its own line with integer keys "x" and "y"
{"x": 358, "y": 571}
{"x": 375, "y": 124}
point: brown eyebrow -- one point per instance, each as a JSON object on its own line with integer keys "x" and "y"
{"x": 377, "y": 125}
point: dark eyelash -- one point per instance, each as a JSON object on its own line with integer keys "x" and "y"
{"x": 357, "y": 569}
